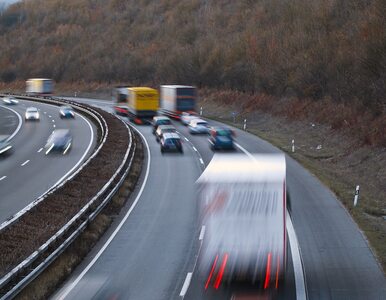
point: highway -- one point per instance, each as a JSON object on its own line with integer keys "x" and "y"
{"x": 151, "y": 249}
{"x": 27, "y": 172}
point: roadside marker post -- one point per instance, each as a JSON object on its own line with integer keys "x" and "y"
{"x": 245, "y": 124}
{"x": 356, "y": 197}
{"x": 201, "y": 111}
{"x": 293, "y": 146}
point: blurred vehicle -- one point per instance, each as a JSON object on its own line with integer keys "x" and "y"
{"x": 221, "y": 138}
{"x": 5, "y": 146}
{"x": 60, "y": 141}
{"x": 176, "y": 99}
{"x": 197, "y": 126}
{"x": 161, "y": 129}
{"x": 139, "y": 104}
{"x": 171, "y": 142}
{"x": 242, "y": 202}
{"x": 187, "y": 117}
{"x": 9, "y": 100}
{"x": 40, "y": 86}
{"x": 160, "y": 120}
{"x": 32, "y": 113}
{"x": 66, "y": 112}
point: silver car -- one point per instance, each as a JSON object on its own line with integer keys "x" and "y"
{"x": 9, "y": 100}
{"x": 198, "y": 126}
{"x": 32, "y": 113}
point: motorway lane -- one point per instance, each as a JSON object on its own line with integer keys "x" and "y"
{"x": 338, "y": 263}
{"x": 157, "y": 241}
{"x": 29, "y": 172}
{"x": 8, "y": 121}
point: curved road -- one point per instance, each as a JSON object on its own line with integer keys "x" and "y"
{"x": 26, "y": 173}
{"x": 155, "y": 244}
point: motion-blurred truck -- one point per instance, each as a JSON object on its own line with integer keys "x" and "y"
{"x": 40, "y": 86}
{"x": 139, "y": 104}
{"x": 176, "y": 99}
{"x": 242, "y": 203}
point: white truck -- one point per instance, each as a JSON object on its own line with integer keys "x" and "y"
{"x": 242, "y": 203}
{"x": 177, "y": 99}
{"x": 40, "y": 86}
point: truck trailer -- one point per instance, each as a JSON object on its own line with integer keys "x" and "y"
{"x": 176, "y": 99}
{"x": 139, "y": 104}
{"x": 40, "y": 86}
{"x": 242, "y": 202}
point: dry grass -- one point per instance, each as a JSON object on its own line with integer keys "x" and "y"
{"x": 344, "y": 160}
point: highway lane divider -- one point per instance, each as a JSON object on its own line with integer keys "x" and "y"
{"x": 35, "y": 237}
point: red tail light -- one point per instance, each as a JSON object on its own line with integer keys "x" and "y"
{"x": 221, "y": 272}
{"x": 211, "y": 272}
{"x": 268, "y": 272}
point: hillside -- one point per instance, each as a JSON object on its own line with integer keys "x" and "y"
{"x": 299, "y": 48}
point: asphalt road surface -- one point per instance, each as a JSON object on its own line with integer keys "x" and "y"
{"x": 152, "y": 248}
{"x": 26, "y": 173}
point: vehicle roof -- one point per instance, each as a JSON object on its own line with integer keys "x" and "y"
{"x": 176, "y": 86}
{"x": 166, "y": 127}
{"x": 60, "y": 132}
{"x": 66, "y": 106}
{"x": 31, "y": 108}
{"x": 156, "y": 118}
{"x": 217, "y": 128}
{"x": 171, "y": 135}
{"x": 141, "y": 89}
{"x": 245, "y": 168}
{"x": 39, "y": 79}
{"x": 196, "y": 120}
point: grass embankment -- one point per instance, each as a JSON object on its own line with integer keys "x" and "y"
{"x": 340, "y": 145}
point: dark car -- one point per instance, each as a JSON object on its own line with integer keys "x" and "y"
{"x": 160, "y": 120}
{"x": 60, "y": 141}
{"x": 221, "y": 138}
{"x": 171, "y": 142}
{"x": 164, "y": 129}
{"x": 5, "y": 146}
{"x": 66, "y": 112}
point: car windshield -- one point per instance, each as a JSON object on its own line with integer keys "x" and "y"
{"x": 202, "y": 123}
{"x": 169, "y": 130}
{"x": 67, "y": 108}
{"x": 163, "y": 122}
{"x": 172, "y": 141}
{"x": 32, "y": 110}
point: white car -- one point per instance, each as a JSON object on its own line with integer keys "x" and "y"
{"x": 186, "y": 118}
{"x": 32, "y": 113}
{"x": 198, "y": 126}
{"x": 8, "y": 100}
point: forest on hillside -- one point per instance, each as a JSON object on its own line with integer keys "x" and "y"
{"x": 314, "y": 49}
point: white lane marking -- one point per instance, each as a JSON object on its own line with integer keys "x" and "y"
{"x": 53, "y": 121}
{"x": 296, "y": 260}
{"x": 45, "y": 112}
{"x": 201, "y": 161}
{"x": 186, "y": 139}
{"x": 49, "y": 116}
{"x": 186, "y": 284}
{"x": 24, "y": 163}
{"x": 295, "y": 250}
{"x": 40, "y": 150}
{"x": 18, "y": 126}
{"x": 54, "y": 125}
{"x": 202, "y": 233}
{"x": 194, "y": 148}
{"x": 100, "y": 252}
{"x": 2, "y": 178}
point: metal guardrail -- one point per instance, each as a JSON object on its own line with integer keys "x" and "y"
{"x": 79, "y": 221}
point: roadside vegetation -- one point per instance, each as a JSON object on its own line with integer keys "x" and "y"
{"x": 283, "y": 64}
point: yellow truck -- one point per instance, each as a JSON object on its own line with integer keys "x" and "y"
{"x": 40, "y": 86}
{"x": 139, "y": 104}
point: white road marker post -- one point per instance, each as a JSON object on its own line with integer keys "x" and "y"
{"x": 293, "y": 146}
{"x": 245, "y": 124}
{"x": 356, "y": 197}
{"x": 201, "y": 111}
